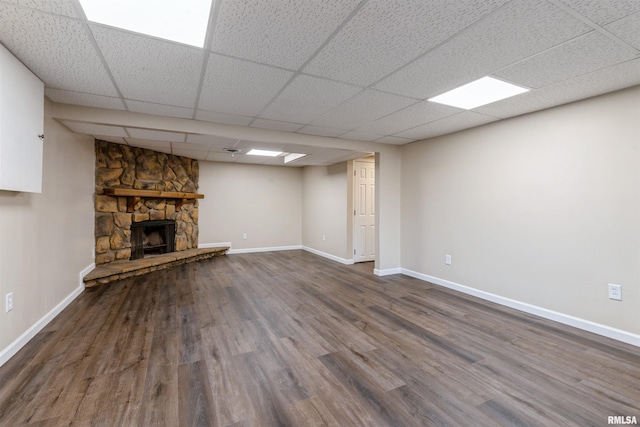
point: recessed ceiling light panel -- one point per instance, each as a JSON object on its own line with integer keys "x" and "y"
{"x": 183, "y": 21}
{"x": 477, "y": 93}
{"x": 267, "y": 153}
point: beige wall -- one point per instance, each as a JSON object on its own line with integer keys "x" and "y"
{"x": 47, "y": 239}
{"x": 543, "y": 209}
{"x": 325, "y": 197}
{"x": 387, "y": 193}
{"x": 263, "y": 201}
{"x": 388, "y": 210}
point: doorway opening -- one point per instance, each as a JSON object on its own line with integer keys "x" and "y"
{"x": 364, "y": 213}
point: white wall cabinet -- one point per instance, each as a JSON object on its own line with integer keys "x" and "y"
{"x": 21, "y": 124}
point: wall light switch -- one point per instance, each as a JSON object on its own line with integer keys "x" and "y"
{"x": 9, "y": 302}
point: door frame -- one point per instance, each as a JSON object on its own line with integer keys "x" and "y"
{"x": 351, "y": 203}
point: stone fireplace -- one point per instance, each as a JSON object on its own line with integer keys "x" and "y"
{"x": 136, "y": 189}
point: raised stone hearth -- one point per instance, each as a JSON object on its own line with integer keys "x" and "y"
{"x": 159, "y": 177}
{"x": 118, "y": 270}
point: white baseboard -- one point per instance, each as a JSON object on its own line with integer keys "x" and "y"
{"x": 387, "y": 271}
{"x": 214, "y": 245}
{"x": 23, "y": 339}
{"x": 272, "y": 249}
{"x": 232, "y": 251}
{"x": 328, "y": 256}
{"x": 586, "y": 325}
{"x": 88, "y": 269}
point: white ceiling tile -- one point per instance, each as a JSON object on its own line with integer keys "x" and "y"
{"x": 56, "y": 49}
{"x": 200, "y": 155}
{"x": 588, "y": 85}
{"x": 141, "y": 65}
{"x": 628, "y": 29}
{"x": 59, "y": 7}
{"x": 231, "y": 119}
{"x": 516, "y": 31}
{"x": 394, "y": 140}
{"x": 386, "y": 34}
{"x": 239, "y": 87}
{"x": 280, "y": 33}
{"x": 84, "y": 99}
{"x": 365, "y": 107}
{"x": 541, "y": 41}
{"x": 359, "y": 136}
{"x": 464, "y": 120}
{"x": 410, "y": 117}
{"x": 213, "y": 141}
{"x": 159, "y": 109}
{"x": 321, "y": 131}
{"x": 161, "y": 146}
{"x": 582, "y": 55}
{"x": 95, "y": 129}
{"x": 277, "y": 125}
{"x": 307, "y": 98}
{"x": 603, "y": 12}
{"x": 156, "y": 135}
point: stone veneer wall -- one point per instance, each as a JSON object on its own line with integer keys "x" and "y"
{"x": 131, "y": 167}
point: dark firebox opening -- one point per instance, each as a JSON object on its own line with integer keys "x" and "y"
{"x": 152, "y": 237}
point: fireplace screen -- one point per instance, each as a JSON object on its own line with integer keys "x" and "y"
{"x": 152, "y": 237}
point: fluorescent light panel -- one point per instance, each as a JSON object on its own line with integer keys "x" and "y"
{"x": 477, "y": 93}
{"x": 293, "y": 156}
{"x": 183, "y": 21}
{"x": 267, "y": 153}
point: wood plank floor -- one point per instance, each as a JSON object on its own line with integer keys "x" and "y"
{"x": 292, "y": 339}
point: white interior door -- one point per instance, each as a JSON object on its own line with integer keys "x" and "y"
{"x": 364, "y": 243}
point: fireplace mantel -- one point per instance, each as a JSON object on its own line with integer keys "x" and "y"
{"x": 134, "y": 196}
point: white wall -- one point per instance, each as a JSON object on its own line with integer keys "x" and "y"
{"x": 542, "y": 209}
{"x": 325, "y": 196}
{"x": 263, "y": 201}
{"x": 47, "y": 239}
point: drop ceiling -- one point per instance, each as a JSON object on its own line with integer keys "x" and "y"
{"x": 348, "y": 70}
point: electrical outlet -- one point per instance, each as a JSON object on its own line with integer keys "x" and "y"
{"x": 447, "y": 259}
{"x": 244, "y": 236}
{"x": 324, "y": 237}
{"x": 9, "y": 302}
{"x": 615, "y": 292}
